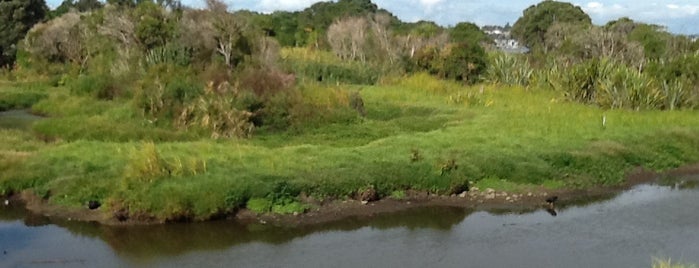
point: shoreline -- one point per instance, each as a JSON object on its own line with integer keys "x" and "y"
{"x": 336, "y": 210}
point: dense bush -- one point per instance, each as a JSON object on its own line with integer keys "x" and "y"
{"x": 457, "y": 61}
{"x": 610, "y": 84}
{"x": 508, "y": 69}
{"x": 218, "y": 111}
{"x": 164, "y": 91}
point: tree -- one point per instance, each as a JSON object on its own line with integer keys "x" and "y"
{"x": 347, "y": 37}
{"x": 464, "y": 61}
{"x": 58, "y": 40}
{"x": 154, "y": 27}
{"x": 228, "y": 33}
{"x": 654, "y": 40}
{"x": 530, "y": 29}
{"x": 467, "y": 32}
{"x": 16, "y": 18}
{"x": 574, "y": 43}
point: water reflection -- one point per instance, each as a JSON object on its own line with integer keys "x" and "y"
{"x": 144, "y": 242}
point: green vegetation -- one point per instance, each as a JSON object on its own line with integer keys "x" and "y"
{"x": 537, "y": 19}
{"x": 169, "y": 113}
{"x": 512, "y": 139}
{"x": 658, "y": 263}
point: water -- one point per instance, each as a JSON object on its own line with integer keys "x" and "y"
{"x": 626, "y": 231}
{"x": 17, "y": 119}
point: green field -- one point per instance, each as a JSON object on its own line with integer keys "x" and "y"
{"x": 419, "y": 133}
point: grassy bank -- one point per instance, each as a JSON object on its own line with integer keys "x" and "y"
{"x": 418, "y": 133}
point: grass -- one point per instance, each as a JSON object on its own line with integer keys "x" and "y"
{"x": 661, "y": 263}
{"x": 19, "y": 96}
{"x": 414, "y": 137}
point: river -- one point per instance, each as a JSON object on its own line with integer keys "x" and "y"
{"x": 625, "y": 231}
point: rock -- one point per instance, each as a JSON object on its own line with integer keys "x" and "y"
{"x": 462, "y": 195}
{"x": 365, "y": 202}
{"x": 369, "y": 195}
{"x": 490, "y": 196}
{"x": 475, "y": 189}
{"x": 121, "y": 215}
{"x": 529, "y": 194}
{"x": 489, "y": 191}
{"x": 508, "y": 198}
{"x": 7, "y": 202}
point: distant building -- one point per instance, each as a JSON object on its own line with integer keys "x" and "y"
{"x": 503, "y": 39}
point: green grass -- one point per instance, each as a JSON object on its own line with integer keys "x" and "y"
{"x": 504, "y": 138}
{"x": 20, "y": 96}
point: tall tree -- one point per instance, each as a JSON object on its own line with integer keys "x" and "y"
{"x": 531, "y": 28}
{"x": 16, "y": 18}
{"x": 467, "y": 32}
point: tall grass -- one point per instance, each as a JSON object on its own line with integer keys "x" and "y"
{"x": 658, "y": 263}
{"x": 323, "y": 66}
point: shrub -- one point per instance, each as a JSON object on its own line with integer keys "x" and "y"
{"x": 464, "y": 62}
{"x": 266, "y": 82}
{"x": 99, "y": 85}
{"x": 507, "y": 69}
{"x": 168, "y": 54}
{"x": 218, "y": 111}
{"x": 164, "y": 91}
{"x": 610, "y": 84}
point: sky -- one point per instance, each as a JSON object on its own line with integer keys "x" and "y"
{"x": 680, "y": 16}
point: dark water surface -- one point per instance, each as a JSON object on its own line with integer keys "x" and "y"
{"x": 17, "y": 119}
{"x": 625, "y": 231}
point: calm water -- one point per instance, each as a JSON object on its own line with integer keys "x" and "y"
{"x": 625, "y": 231}
{"x": 17, "y": 119}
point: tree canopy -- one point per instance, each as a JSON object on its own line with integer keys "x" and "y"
{"x": 16, "y": 18}
{"x": 531, "y": 28}
{"x": 467, "y": 32}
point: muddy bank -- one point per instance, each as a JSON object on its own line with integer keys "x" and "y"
{"x": 335, "y": 210}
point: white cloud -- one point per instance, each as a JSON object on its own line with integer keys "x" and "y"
{"x": 275, "y": 5}
{"x": 595, "y": 5}
{"x": 430, "y": 3}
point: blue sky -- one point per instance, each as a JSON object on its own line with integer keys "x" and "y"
{"x": 681, "y": 16}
